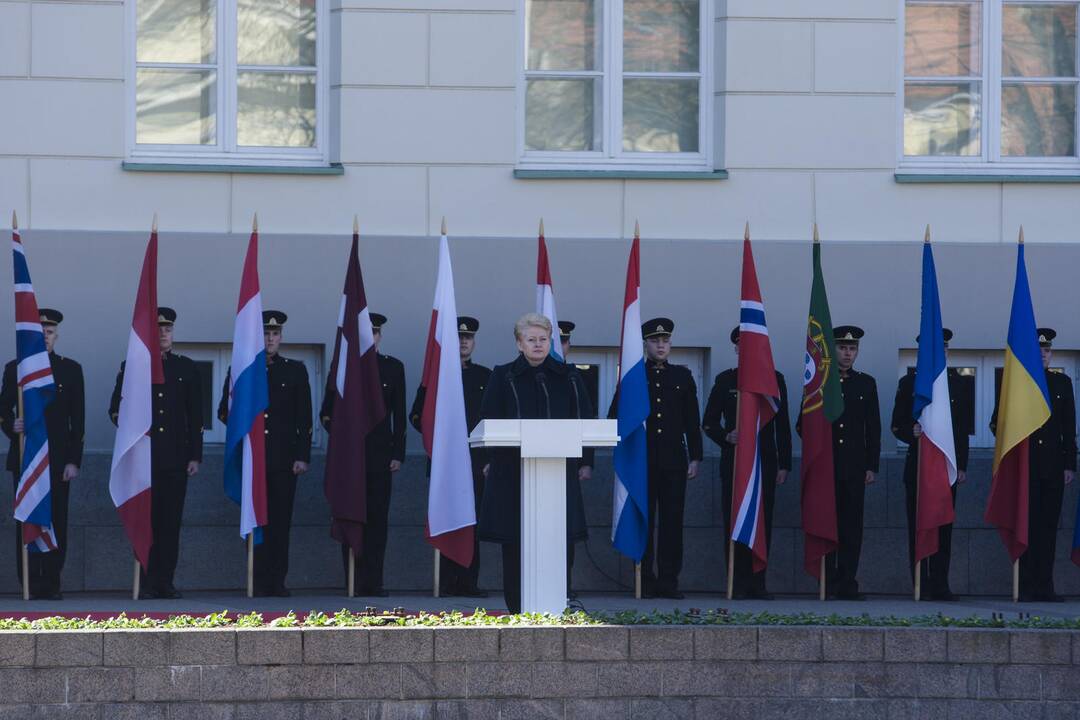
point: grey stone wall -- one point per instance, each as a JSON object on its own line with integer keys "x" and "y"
{"x": 212, "y": 555}
{"x": 558, "y": 673}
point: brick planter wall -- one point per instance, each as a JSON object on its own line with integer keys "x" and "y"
{"x": 559, "y": 673}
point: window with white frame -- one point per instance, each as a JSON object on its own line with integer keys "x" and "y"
{"x": 616, "y": 82}
{"x": 236, "y": 81}
{"x": 991, "y": 85}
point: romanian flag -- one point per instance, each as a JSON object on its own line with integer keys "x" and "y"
{"x": 1023, "y": 407}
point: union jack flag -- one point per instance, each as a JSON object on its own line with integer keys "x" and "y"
{"x": 33, "y": 500}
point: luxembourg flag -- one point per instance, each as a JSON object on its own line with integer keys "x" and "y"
{"x": 759, "y": 399}
{"x": 129, "y": 477}
{"x": 545, "y": 294}
{"x": 33, "y": 498}
{"x": 932, "y": 410}
{"x": 451, "y": 510}
{"x": 630, "y": 519}
{"x": 249, "y": 397}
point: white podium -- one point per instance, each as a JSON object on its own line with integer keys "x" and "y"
{"x": 545, "y": 446}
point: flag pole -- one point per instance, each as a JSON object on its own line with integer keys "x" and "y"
{"x": 435, "y": 584}
{"x": 731, "y": 543}
{"x": 1016, "y": 581}
{"x": 821, "y": 581}
{"x": 352, "y": 573}
{"x": 22, "y": 451}
{"x": 918, "y": 481}
{"x": 637, "y": 581}
{"x": 251, "y": 564}
{"x": 135, "y": 581}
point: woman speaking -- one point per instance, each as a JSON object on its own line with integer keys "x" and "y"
{"x": 534, "y": 386}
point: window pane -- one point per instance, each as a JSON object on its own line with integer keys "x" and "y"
{"x": 563, "y": 34}
{"x": 562, "y": 115}
{"x": 1038, "y": 120}
{"x": 275, "y": 109}
{"x": 660, "y": 115}
{"x": 177, "y": 31}
{"x": 661, "y": 35}
{"x": 276, "y": 32}
{"x": 943, "y": 40}
{"x": 175, "y": 107}
{"x": 1038, "y": 41}
{"x": 941, "y": 119}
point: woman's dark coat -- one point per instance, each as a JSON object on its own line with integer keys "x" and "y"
{"x": 514, "y": 392}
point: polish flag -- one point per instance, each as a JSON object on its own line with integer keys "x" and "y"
{"x": 451, "y": 511}
{"x": 129, "y": 478}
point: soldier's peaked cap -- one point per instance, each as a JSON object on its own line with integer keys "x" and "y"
{"x": 166, "y": 316}
{"x": 274, "y": 318}
{"x": 1046, "y": 337}
{"x": 565, "y": 328}
{"x": 847, "y": 333}
{"x": 48, "y": 316}
{"x": 467, "y": 325}
{"x": 656, "y": 327}
{"x": 377, "y": 321}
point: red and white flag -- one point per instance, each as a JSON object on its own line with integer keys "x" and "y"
{"x": 358, "y": 407}
{"x": 451, "y": 509}
{"x": 129, "y": 478}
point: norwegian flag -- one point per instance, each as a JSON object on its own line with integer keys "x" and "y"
{"x": 759, "y": 399}
{"x": 33, "y": 499}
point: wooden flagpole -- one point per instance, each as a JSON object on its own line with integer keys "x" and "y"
{"x": 352, "y": 573}
{"x": 821, "y": 584}
{"x": 438, "y": 569}
{"x": 251, "y": 564}
{"x": 731, "y": 543}
{"x": 637, "y": 581}
{"x": 1016, "y": 581}
{"x": 918, "y": 481}
{"x": 135, "y": 581}
{"x": 22, "y": 452}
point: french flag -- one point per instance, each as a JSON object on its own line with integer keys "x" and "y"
{"x": 33, "y": 499}
{"x": 545, "y": 294}
{"x": 630, "y": 518}
{"x": 451, "y": 509}
{"x": 759, "y": 399}
{"x": 129, "y": 477}
{"x": 937, "y": 453}
{"x": 249, "y": 397}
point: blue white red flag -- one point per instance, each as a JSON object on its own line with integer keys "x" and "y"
{"x": 630, "y": 519}
{"x": 933, "y": 412}
{"x": 249, "y": 397}
{"x": 33, "y": 499}
{"x": 545, "y": 295}
{"x": 759, "y": 399}
{"x": 451, "y": 520}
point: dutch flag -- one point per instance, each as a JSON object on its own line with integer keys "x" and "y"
{"x": 245, "y": 455}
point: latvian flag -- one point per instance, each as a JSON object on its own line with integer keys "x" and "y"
{"x": 33, "y": 501}
{"x": 759, "y": 399}
{"x": 249, "y": 397}
{"x": 451, "y": 507}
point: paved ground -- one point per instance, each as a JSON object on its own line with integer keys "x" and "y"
{"x": 198, "y": 603}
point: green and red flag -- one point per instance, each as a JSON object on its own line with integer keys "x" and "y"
{"x": 822, "y": 404}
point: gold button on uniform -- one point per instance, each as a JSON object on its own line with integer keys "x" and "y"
{"x": 161, "y": 429}
{"x": 841, "y": 441}
{"x": 660, "y": 430}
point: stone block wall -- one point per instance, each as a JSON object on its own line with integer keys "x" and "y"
{"x": 99, "y": 557}
{"x": 696, "y": 673}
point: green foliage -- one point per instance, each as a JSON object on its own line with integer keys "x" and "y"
{"x": 371, "y": 617}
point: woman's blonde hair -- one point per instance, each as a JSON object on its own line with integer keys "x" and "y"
{"x": 531, "y": 320}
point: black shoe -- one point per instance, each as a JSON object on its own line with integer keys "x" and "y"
{"x": 1051, "y": 597}
{"x": 472, "y": 592}
{"x": 373, "y": 592}
{"x": 761, "y": 594}
{"x": 570, "y": 595}
{"x": 148, "y": 594}
{"x": 262, "y": 592}
{"x": 1026, "y": 597}
{"x": 671, "y": 594}
{"x": 169, "y": 593}
{"x": 946, "y": 596}
{"x": 281, "y": 591}
{"x": 851, "y": 595}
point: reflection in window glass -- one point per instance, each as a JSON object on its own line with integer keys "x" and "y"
{"x": 275, "y": 109}
{"x": 660, "y": 115}
{"x": 941, "y": 119}
{"x": 176, "y": 31}
{"x": 943, "y": 40}
{"x": 175, "y": 107}
{"x": 661, "y": 35}
{"x": 1038, "y": 120}
{"x": 276, "y": 32}
{"x": 561, "y": 115}
{"x": 1038, "y": 41}
{"x": 563, "y": 34}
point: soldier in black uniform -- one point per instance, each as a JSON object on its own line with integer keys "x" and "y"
{"x": 935, "y": 569}
{"x": 176, "y": 451}
{"x": 719, "y": 423}
{"x": 589, "y": 378}
{"x": 1052, "y": 460}
{"x": 288, "y": 452}
{"x": 453, "y": 578}
{"x": 856, "y": 454}
{"x": 385, "y": 453}
{"x": 65, "y": 421}
{"x": 674, "y": 454}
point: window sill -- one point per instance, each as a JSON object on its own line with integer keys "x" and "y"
{"x": 524, "y": 174}
{"x": 909, "y": 177}
{"x": 331, "y": 169}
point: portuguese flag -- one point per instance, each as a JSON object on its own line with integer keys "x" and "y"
{"x": 822, "y": 404}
